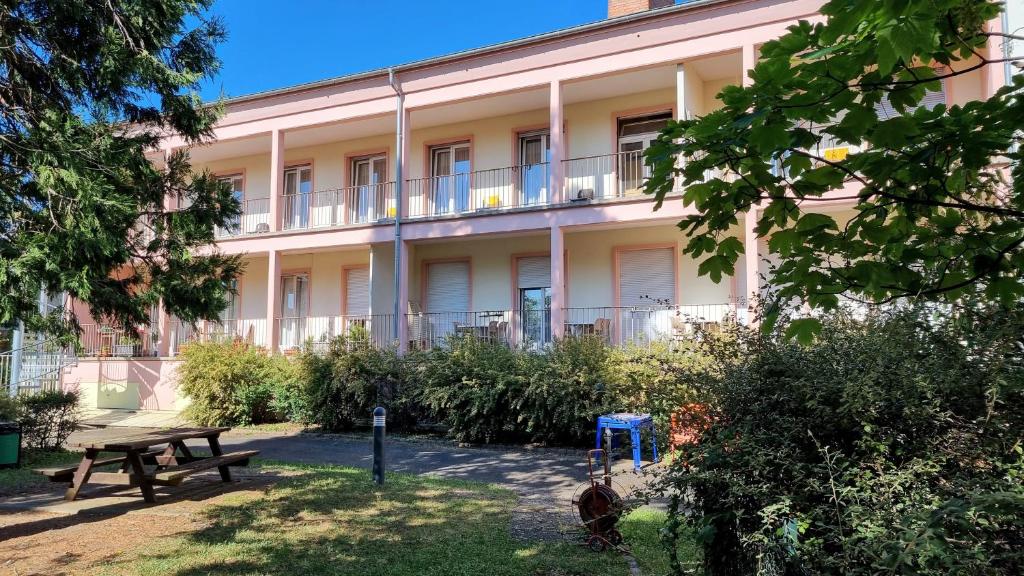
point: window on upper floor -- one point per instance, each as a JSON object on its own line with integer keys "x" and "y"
{"x": 450, "y": 166}
{"x": 636, "y": 134}
{"x": 534, "y": 155}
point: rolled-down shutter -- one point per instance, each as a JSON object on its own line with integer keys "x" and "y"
{"x": 931, "y": 99}
{"x": 357, "y": 291}
{"x": 647, "y": 277}
{"x": 448, "y": 287}
{"x": 534, "y": 272}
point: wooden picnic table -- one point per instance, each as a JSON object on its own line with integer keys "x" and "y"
{"x": 141, "y": 464}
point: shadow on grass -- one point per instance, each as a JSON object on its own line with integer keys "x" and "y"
{"x": 335, "y": 521}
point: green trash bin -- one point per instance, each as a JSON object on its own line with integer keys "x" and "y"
{"x": 10, "y": 444}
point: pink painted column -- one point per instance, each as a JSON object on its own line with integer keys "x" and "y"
{"x": 273, "y": 299}
{"x": 276, "y": 178}
{"x": 751, "y": 262}
{"x": 557, "y": 282}
{"x": 749, "y": 60}
{"x": 993, "y": 75}
{"x": 557, "y": 145}
{"x": 403, "y": 299}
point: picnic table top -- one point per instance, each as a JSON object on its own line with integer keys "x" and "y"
{"x": 114, "y": 440}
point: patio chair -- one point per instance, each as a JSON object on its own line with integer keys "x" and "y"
{"x": 603, "y": 329}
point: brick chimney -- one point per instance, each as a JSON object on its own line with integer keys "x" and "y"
{"x": 623, "y": 7}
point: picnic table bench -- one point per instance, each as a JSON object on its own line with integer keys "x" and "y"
{"x": 141, "y": 464}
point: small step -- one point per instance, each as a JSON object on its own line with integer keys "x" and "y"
{"x": 230, "y": 459}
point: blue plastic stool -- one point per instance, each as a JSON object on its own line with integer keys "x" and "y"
{"x": 635, "y": 423}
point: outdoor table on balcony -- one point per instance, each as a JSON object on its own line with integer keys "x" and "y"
{"x": 579, "y": 328}
{"x": 168, "y": 464}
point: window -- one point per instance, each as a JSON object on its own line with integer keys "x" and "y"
{"x": 635, "y": 134}
{"x": 233, "y": 309}
{"x": 447, "y": 297}
{"x": 236, "y": 182}
{"x": 298, "y": 187}
{"x": 357, "y": 291}
{"x": 534, "y": 155}
{"x": 367, "y": 198}
{"x": 449, "y": 171}
{"x": 931, "y": 99}
{"x": 647, "y": 289}
{"x": 294, "y": 309}
{"x": 533, "y": 278}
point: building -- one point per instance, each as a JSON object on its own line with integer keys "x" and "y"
{"x": 493, "y": 192}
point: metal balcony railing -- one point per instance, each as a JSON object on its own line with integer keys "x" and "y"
{"x": 481, "y": 191}
{"x": 644, "y": 325}
{"x": 255, "y": 219}
{"x": 340, "y": 207}
{"x": 299, "y": 333}
{"x": 103, "y": 340}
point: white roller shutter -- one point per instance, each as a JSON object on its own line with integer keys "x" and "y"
{"x": 448, "y": 287}
{"x": 357, "y": 291}
{"x": 534, "y": 272}
{"x": 647, "y": 277}
{"x": 931, "y": 99}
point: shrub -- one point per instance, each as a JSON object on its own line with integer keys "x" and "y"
{"x": 471, "y": 386}
{"x": 343, "y": 385}
{"x": 48, "y": 418}
{"x": 566, "y": 389}
{"x": 233, "y": 384}
{"x": 891, "y": 444}
{"x": 8, "y": 408}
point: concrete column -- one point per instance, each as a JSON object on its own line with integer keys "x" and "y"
{"x": 557, "y": 282}
{"x": 681, "y": 105}
{"x": 163, "y": 346}
{"x": 273, "y": 299}
{"x": 557, "y": 143}
{"x": 403, "y": 298}
{"x": 751, "y": 262}
{"x": 749, "y": 60}
{"x": 276, "y": 178}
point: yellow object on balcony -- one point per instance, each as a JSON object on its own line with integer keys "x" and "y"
{"x": 493, "y": 201}
{"x": 836, "y": 154}
{"x": 391, "y": 211}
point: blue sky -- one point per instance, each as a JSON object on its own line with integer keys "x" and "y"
{"x": 273, "y": 44}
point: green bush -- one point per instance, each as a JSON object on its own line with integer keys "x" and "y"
{"x": 233, "y": 384}
{"x": 343, "y": 385}
{"x": 889, "y": 445}
{"x": 47, "y": 418}
{"x": 471, "y": 386}
{"x": 567, "y": 388}
{"x": 8, "y": 408}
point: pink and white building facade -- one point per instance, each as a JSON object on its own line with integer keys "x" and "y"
{"x": 494, "y": 192}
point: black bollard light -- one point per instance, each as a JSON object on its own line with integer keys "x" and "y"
{"x": 379, "y": 415}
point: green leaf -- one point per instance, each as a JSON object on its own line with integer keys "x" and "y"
{"x": 804, "y": 330}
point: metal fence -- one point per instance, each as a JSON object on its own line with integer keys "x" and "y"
{"x": 643, "y": 325}
{"x": 37, "y": 366}
{"x": 480, "y": 191}
{"x": 299, "y": 333}
{"x": 327, "y": 208}
{"x": 254, "y": 219}
{"x": 105, "y": 340}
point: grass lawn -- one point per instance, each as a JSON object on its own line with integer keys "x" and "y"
{"x": 332, "y": 520}
{"x": 23, "y": 479}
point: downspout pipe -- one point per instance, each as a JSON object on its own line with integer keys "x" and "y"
{"x": 399, "y": 178}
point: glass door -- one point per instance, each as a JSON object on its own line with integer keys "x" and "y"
{"x": 298, "y": 188}
{"x": 534, "y": 155}
{"x": 234, "y": 227}
{"x": 449, "y": 171}
{"x": 535, "y": 313}
{"x": 294, "y": 309}
{"x": 367, "y": 198}
{"x": 636, "y": 134}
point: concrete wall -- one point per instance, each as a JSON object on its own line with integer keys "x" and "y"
{"x": 126, "y": 383}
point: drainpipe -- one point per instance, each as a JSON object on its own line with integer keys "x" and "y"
{"x": 399, "y": 162}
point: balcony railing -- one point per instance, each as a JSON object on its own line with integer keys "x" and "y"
{"x": 110, "y": 341}
{"x": 481, "y": 191}
{"x": 604, "y": 177}
{"x": 327, "y": 208}
{"x": 644, "y": 325}
{"x": 297, "y": 333}
{"x": 255, "y": 219}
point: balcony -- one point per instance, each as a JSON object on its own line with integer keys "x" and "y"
{"x": 296, "y": 334}
{"x": 255, "y": 219}
{"x": 616, "y": 326}
{"x": 341, "y": 207}
{"x": 482, "y": 191}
